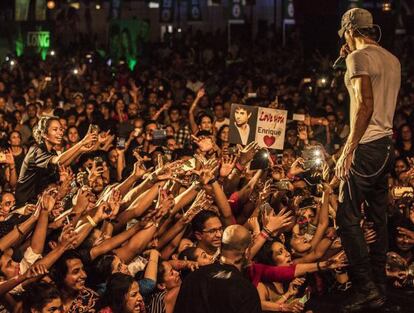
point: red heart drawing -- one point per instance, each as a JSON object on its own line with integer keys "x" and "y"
{"x": 269, "y": 140}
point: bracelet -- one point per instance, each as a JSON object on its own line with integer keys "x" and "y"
{"x": 18, "y": 229}
{"x": 91, "y": 221}
{"x": 265, "y": 229}
{"x": 318, "y": 265}
{"x": 211, "y": 181}
{"x": 152, "y": 179}
{"x": 264, "y": 235}
{"x": 240, "y": 167}
{"x": 290, "y": 176}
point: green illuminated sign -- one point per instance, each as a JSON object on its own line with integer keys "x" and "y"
{"x": 38, "y": 39}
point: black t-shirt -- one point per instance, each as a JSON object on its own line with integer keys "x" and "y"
{"x": 217, "y": 288}
{"x": 36, "y": 174}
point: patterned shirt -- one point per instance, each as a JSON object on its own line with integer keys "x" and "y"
{"x": 85, "y": 302}
{"x": 183, "y": 136}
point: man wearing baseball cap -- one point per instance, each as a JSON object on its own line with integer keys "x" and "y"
{"x": 373, "y": 78}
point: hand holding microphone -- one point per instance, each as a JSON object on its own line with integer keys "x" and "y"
{"x": 342, "y": 56}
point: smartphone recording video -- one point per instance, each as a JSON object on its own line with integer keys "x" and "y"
{"x": 260, "y": 160}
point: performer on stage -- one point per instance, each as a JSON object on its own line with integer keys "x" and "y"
{"x": 373, "y": 78}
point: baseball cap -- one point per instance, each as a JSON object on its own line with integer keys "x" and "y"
{"x": 355, "y": 18}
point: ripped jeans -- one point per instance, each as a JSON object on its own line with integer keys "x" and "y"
{"x": 367, "y": 183}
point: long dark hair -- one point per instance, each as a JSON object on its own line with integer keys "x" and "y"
{"x": 117, "y": 287}
{"x": 218, "y": 139}
{"x": 38, "y": 295}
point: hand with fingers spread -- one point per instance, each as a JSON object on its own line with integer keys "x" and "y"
{"x": 114, "y": 202}
{"x": 200, "y": 203}
{"x": 267, "y": 191}
{"x": 208, "y": 171}
{"x": 247, "y": 153}
{"x": 169, "y": 171}
{"x": 205, "y": 143}
{"x": 94, "y": 173}
{"x": 273, "y": 223}
{"x": 165, "y": 203}
{"x": 65, "y": 174}
{"x": 227, "y": 165}
{"x": 408, "y": 235}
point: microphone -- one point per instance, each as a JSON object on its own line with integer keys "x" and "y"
{"x": 340, "y": 60}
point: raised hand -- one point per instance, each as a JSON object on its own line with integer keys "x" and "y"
{"x": 297, "y": 167}
{"x": 247, "y": 153}
{"x": 204, "y": 143}
{"x": 88, "y": 143}
{"x": 227, "y": 165}
{"x": 65, "y": 174}
{"x": 48, "y": 199}
{"x": 164, "y": 204}
{"x": 35, "y": 271}
{"x": 9, "y": 158}
{"x": 200, "y": 203}
{"x": 68, "y": 238}
{"x": 275, "y": 222}
{"x": 139, "y": 169}
{"x": 303, "y": 133}
{"x": 201, "y": 93}
{"x": 114, "y": 202}
{"x": 408, "y": 235}
{"x": 339, "y": 260}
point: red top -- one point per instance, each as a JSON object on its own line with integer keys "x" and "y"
{"x": 268, "y": 273}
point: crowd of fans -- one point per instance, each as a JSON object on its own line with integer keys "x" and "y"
{"x": 117, "y": 185}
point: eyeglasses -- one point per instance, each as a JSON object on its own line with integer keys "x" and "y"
{"x": 213, "y": 231}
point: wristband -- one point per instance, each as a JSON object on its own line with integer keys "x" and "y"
{"x": 91, "y": 221}
{"x": 265, "y": 229}
{"x": 18, "y": 229}
{"x": 264, "y": 235}
{"x": 211, "y": 181}
{"x": 318, "y": 265}
{"x": 240, "y": 167}
{"x": 290, "y": 176}
{"x": 152, "y": 179}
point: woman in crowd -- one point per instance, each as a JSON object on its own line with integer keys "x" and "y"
{"x": 40, "y": 165}
{"x": 123, "y": 295}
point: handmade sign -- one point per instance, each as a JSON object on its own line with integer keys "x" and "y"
{"x": 265, "y": 126}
